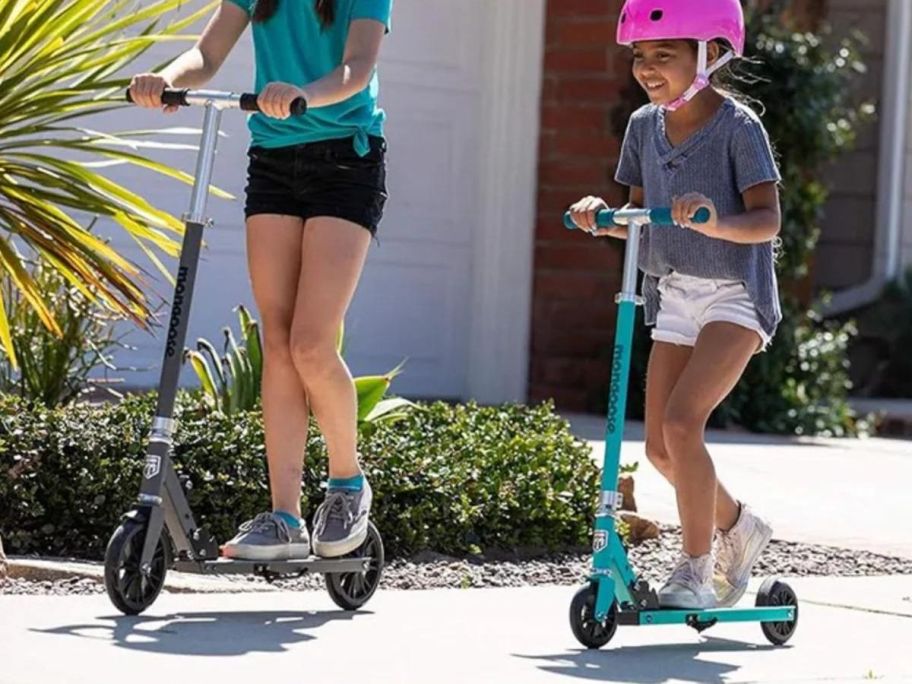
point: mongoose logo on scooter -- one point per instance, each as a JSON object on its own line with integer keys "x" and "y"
{"x": 152, "y": 466}
{"x": 176, "y": 311}
{"x": 615, "y": 389}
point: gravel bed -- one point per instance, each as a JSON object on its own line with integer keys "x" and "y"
{"x": 654, "y": 558}
{"x": 71, "y": 586}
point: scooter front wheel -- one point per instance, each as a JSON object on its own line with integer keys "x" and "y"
{"x": 129, "y": 588}
{"x": 588, "y": 631}
{"x": 351, "y": 590}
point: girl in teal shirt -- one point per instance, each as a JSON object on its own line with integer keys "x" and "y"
{"x": 315, "y": 196}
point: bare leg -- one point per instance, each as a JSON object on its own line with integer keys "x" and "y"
{"x": 274, "y": 259}
{"x": 666, "y": 363}
{"x": 719, "y": 358}
{"x": 333, "y": 252}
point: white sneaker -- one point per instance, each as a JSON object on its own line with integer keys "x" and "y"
{"x": 737, "y": 552}
{"x": 690, "y": 585}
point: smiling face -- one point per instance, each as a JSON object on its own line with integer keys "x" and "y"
{"x": 664, "y": 68}
{"x": 667, "y": 68}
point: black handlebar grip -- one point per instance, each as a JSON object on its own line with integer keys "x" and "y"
{"x": 298, "y": 106}
{"x": 249, "y": 103}
{"x": 171, "y": 96}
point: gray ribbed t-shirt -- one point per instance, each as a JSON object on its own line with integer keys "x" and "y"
{"x": 727, "y": 156}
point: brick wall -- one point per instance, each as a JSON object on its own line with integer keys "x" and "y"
{"x": 576, "y": 276}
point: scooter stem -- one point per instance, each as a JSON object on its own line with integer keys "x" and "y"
{"x": 610, "y": 566}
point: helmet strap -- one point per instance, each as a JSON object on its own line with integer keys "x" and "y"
{"x": 703, "y": 74}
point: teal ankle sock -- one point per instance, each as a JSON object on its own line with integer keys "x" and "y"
{"x": 290, "y": 518}
{"x": 354, "y": 484}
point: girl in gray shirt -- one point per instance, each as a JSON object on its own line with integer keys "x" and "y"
{"x": 709, "y": 289}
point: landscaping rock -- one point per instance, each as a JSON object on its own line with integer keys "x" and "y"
{"x": 640, "y": 528}
{"x": 625, "y": 487}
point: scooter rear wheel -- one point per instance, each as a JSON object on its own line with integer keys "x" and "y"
{"x": 776, "y": 593}
{"x": 588, "y": 631}
{"x": 351, "y": 590}
{"x": 130, "y": 590}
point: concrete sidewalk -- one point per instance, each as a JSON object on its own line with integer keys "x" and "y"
{"x": 503, "y": 636}
{"x": 851, "y": 493}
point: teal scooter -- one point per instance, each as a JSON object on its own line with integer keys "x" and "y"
{"x": 615, "y": 594}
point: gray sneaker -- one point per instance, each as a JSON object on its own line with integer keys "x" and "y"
{"x": 268, "y": 537}
{"x": 340, "y": 525}
{"x": 690, "y": 585}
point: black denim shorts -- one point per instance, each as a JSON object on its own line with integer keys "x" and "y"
{"x": 326, "y": 178}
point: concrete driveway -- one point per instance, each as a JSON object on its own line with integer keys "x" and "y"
{"x": 850, "y": 629}
{"x": 851, "y": 493}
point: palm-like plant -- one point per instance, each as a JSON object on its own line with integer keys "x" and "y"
{"x": 61, "y": 60}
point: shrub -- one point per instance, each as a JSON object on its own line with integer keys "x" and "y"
{"x": 54, "y": 369}
{"x": 453, "y": 479}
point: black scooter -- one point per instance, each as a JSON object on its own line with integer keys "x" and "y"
{"x": 160, "y": 532}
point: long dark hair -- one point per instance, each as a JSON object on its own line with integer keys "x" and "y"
{"x": 326, "y": 10}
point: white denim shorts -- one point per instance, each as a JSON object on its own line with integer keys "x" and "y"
{"x": 689, "y": 303}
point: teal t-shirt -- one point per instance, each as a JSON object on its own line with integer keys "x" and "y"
{"x": 293, "y": 47}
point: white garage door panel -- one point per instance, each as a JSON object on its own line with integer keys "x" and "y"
{"x": 435, "y": 43}
{"x": 433, "y": 157}
{"x": 416, "y": 293}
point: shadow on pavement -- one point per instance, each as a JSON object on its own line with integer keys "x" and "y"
{"x": 206, "y": 633}
{"x": 649, "y": 664}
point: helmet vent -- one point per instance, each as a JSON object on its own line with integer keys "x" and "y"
{"x": 657, "y": 15}
{"x": 623, "y": 17}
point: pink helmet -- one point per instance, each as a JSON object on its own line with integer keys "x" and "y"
{"x": 702, "y": 20}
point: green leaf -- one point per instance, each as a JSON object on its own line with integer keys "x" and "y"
{"x": 204, "y": 373}
{"x": 206, "y": 347}
{"x": 236, "y": 388}
{"x": 393, "y": 408}
{"x": 370, "y": 390}
{"x": 255, "y": 349}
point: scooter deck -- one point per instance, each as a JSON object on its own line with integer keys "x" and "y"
{"x": 706, "y": 618}
{"x": 232, "y": 566}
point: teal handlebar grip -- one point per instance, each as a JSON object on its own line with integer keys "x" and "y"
{"x": 604, "y": 219}
{"x": 662, "y": 217}
{"x": 657, "y": 217}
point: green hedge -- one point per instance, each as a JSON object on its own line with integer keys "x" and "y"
{"x": 453, "y": 479}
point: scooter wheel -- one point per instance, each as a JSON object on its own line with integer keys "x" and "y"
{"x": 130, "y": 590}
{"x": 776, "y": 593}
{"x": 587, "y": 630}
{"x": 351, "y": 590}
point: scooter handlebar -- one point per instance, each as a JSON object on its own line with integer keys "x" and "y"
{"x": 657, "y": 217}
{"x": 248, "y": 102}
